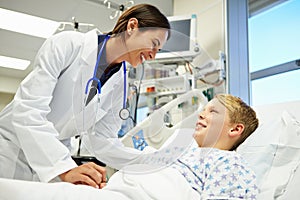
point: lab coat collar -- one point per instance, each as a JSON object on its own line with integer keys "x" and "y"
{"x": 88, "y": 57}
{"x": 89, "y": 52}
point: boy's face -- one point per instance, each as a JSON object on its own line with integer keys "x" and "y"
{"x": 212, "y": 126}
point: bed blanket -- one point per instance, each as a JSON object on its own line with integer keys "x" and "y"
{"x": 165, "y": 183}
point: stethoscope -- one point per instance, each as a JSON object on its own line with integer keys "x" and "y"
{"x": 124, "y": 112}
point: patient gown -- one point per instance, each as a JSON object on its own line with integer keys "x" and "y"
{"x": 216, "y": 173}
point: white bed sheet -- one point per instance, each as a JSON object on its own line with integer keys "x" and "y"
{"x": 163, "y": 184}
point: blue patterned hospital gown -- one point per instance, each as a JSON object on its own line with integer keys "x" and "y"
{"x": 216, "y": 173}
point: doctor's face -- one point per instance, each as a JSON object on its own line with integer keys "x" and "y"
{"x": 212, "y": 125}
{"x": 144, "y": 44}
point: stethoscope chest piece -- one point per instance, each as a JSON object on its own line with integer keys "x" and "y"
{"x": 124, "y": 113}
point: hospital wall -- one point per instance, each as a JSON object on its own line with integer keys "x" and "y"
{"x": 8, "y": 87}
{"x": 210, "y": 22}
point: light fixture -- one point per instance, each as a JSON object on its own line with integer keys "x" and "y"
{"x": 14, "y": 63}
{"x": 27, "y": 24}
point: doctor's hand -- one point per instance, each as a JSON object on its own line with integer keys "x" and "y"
{"x": 87, "y": 174}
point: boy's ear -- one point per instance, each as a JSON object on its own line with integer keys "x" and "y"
{"x": 236, "y": 130}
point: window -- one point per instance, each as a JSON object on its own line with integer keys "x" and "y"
{"x": 273, "y": 41}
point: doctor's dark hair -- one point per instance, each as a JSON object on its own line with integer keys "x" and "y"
{"x": 148, "y": 16}
{"x": 239, "y": 113}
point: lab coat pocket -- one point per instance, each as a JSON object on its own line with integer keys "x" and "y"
{"x": 90, "y": 115}
{"x": 100, "y": 114}
{"x": 69, "y": 129}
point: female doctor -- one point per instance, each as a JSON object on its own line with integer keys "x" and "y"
{"x": 77, "y": 87}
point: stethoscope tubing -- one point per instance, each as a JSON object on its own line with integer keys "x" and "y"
{"x": 94, "y": 78}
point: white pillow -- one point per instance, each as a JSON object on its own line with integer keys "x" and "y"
{"x": 273, "y": 152}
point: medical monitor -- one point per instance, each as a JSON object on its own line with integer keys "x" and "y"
{"x": 182, "y": 43}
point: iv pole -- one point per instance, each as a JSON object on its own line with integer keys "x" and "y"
{"x": 119, "y": 8}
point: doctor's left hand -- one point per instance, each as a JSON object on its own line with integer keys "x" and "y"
{"x": 87, "y": 174}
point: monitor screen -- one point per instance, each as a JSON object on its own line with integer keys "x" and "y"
{"x": 180, "y": 31}
{"x": 182, "y": 42}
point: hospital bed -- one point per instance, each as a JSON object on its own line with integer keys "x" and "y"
{"x": 273, "y": 151}
{"x": 154, "y": 130}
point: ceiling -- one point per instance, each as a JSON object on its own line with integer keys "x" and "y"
{"x": 25, "y": 47}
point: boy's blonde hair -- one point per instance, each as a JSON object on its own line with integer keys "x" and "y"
{"x": 239, "y": 112}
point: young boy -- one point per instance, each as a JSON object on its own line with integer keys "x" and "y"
{"x": 212, "y": 167}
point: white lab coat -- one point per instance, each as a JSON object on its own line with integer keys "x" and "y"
{"x": 46, "y": 112}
